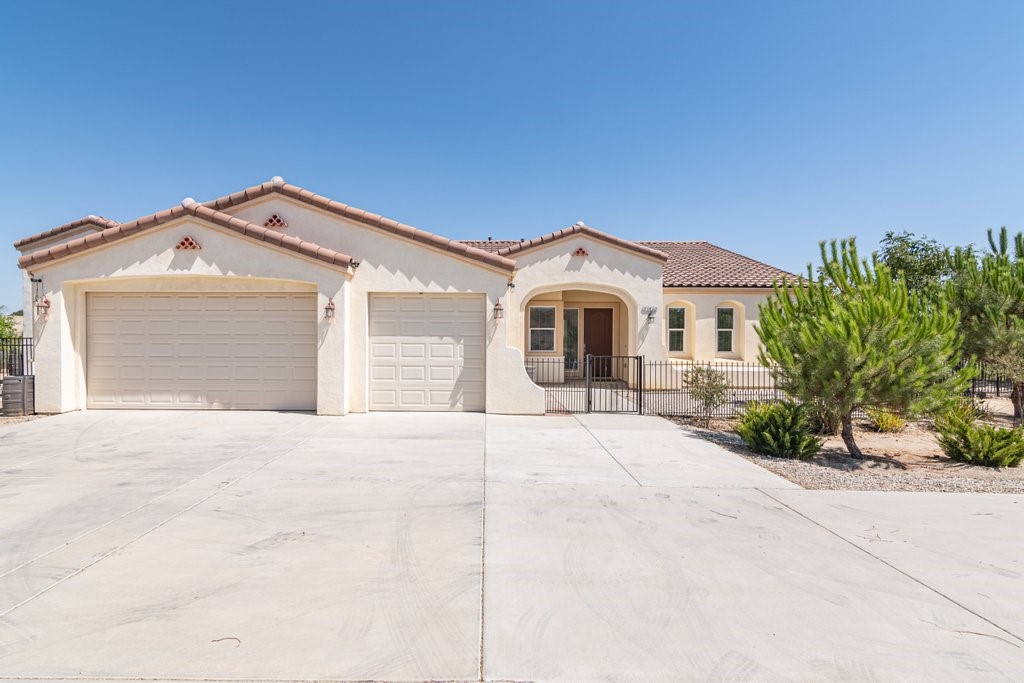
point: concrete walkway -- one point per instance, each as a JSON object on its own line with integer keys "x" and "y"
{"x": 402, "y": 547}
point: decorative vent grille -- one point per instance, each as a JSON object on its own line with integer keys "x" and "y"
{"x": 580, "y": 252}
{"x": 187, "y": 243}
{"x": 275, "y": 221}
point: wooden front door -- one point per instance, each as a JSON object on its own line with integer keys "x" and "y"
{"x": 597, "y": 338}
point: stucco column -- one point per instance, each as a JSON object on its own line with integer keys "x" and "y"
{"x": 332, "y": 393}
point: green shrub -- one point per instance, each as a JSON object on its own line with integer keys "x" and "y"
{"x": 709, "y": 389}
{"x": 965, "y": 410}
{"x": 778, "y": 429}
{"x": 885, "y": 420}
{"x": 980, "y": 444}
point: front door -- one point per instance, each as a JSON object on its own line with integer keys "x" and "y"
{"x": 597, "y": 339}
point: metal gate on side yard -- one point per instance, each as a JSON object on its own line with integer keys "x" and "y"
{"x": 595, "y": 384}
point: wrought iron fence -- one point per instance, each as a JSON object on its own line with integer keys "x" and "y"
{"x": 671, "y": 388}
{"x": 593, "y": 384}
{"x": 17, "y": 356}
{"x": 631, "y": 384}
{"x": 988, "y": 383}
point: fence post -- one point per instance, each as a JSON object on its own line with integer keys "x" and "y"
{"x": 640, "y": 385}
{"x": 587, "y": 380}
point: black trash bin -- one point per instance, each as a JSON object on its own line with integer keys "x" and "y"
{"x": 18, "y": 395}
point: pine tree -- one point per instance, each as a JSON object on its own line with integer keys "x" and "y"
{"x": 988, "y": 293}
{"x": 856, "y": 338}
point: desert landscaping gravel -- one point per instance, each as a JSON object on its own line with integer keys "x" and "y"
{"x": 914, "y": 464}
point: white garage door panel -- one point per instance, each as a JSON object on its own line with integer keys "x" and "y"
{"x": 426, "y": 352}
{"x": 202, "y": 351}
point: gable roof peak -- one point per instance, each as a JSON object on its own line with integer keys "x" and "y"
{"x": 581, "y": 228}
{"x": 278, "y": 186}
{"x": 189, "y": 207}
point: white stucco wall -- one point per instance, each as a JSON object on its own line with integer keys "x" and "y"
{"x": 633, "y": 279}
{"x": 26, "y": 283}
{"x": 390, "y": 264}
{"x": 701, "y": 304}
{"x": 148, "y": 262}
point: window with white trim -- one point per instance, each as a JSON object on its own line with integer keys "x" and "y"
{"x": 542, "y": 328}
{"x": 676, "y": 329}
{"x": 725, "y": 317}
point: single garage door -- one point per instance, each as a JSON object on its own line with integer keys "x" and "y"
{"x": 201, "y": 351}
{"x": 426, "y": 352}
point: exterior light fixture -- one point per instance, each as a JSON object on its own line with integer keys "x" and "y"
{"x": 649, "y": 311}
{"x": 329, "y": 310}
{"x": 499, "y": 310}
{"x": 43, "y": 307}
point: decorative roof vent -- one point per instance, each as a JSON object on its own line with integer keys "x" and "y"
{"x": 580, "y": 252}
{"x": 188, "y": 244}
{"x": 275, "y": 221}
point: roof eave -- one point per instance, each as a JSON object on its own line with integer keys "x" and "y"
{"x": 453, "y": 247}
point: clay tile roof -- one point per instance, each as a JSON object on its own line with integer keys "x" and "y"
{"x": 203, "y": 213}
{"x": 366, "y": 218}
{"x": 98, "y": 221}
{"x": 702, "y": 264}
{"x": 493, "y": 246}
{"x": 690, "y": 264}
{"x": 581, "y": 229}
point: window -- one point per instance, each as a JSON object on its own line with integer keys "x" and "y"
{"x": 677, "y": 329}
{"x": 726, "y": 316}
{"x": 571, "y": 338}
{"x": 542, "y": 328}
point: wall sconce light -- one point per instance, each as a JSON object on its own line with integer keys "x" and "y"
{"x": 499, "y": 310}
{"x": 649, "y": 311}
{"x": 329, "y": 310}
{"x": 43, "y": 308}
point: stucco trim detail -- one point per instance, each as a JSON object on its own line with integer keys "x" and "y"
{"x": 188, "y": 207}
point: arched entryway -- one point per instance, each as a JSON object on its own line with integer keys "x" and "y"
{"x": 565, "y": 328}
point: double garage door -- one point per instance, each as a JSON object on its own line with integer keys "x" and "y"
{"x": 201, "y": 351}
{"x": 257, "y": 351}
{"x": 426, "y": 352}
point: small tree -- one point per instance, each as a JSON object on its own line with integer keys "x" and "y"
{"x": 709, "y": 389}
{"x": 855, "y": 337}
{"x": 919, "y": 261}
{"x": 6, "y": 325}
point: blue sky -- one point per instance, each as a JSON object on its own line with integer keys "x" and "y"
{"x": 761, "y": 126}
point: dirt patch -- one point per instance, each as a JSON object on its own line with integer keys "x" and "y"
{"x": 16, "y": 420}
{"x": 910, "y": 460}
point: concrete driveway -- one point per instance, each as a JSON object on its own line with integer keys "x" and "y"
{"x": 401, "y": 547}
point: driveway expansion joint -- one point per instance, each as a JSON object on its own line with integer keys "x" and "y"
{"x": 913, "y": 578}
{"x": 605, "y": 449}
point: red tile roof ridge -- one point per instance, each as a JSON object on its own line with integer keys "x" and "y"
{"x": 192, "y": 208}
{"x": 583, "y": 229}
{"x": 278, "y": 185}
{"x": 91, "y": 219}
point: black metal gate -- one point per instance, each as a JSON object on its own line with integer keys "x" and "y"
{"x": 598, "y": 384}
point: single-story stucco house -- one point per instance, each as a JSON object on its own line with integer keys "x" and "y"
{"x": 278, "y": 298}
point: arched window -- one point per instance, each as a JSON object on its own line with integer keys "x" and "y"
{"x": 677, "y": 329}
{"x": 729, "y": 335}
{"x": 725, "y": 329}
{"x": 680, "y": 324}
